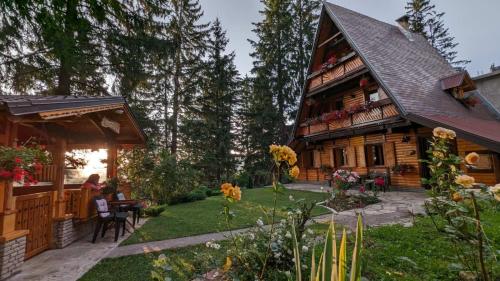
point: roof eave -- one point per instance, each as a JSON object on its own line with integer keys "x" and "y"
{"x": 488, "y": 143}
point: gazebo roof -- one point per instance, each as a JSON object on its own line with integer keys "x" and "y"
{"x": 83, "y": 120}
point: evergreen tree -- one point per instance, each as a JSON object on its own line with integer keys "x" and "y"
{"x": 64, "y": 47}
{"x": 272, "y": 66}
{"x": 189, "y": 39}
{"x": 208, "y": 126}
{"x": 425, "y": 20}
{"x": 305, "y": 15}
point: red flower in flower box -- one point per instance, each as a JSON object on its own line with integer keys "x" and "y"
{"x": 5, "y": 175}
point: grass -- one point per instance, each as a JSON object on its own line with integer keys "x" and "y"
{"x": 390, "y": 253}
{"x": 205, "y": 216}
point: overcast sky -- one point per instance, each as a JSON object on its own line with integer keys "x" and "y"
{"x": 475, "y": 25}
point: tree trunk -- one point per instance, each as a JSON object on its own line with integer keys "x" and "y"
{"x": 175, "y": 105}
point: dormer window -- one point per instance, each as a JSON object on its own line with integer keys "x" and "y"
{"x": 373, "y": 96}
{"x": 458, "y": 85}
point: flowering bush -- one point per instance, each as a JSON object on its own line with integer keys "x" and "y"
{"x": 20, "y": 164}
{"x": 344, "y": 179}
{"x": 247, "y": 251}
{"x": 457, "y": 205}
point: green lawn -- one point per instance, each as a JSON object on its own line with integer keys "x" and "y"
{"x": 205, "y": 216}
{"x": 390, "y": 253}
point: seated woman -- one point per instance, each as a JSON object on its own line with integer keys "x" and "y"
{"x": 93, "y": 184}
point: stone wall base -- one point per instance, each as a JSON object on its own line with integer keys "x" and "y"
{"x": 12, "y": 256}
{"x": 69, "y": 230}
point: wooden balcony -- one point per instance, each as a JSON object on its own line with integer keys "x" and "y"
{"x": 381, "y": 110}
{"x": 345, "y": 67}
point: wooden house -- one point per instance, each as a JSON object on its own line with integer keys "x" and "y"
{"x": 52, "y": 214}
{"x": 374, "y": 92}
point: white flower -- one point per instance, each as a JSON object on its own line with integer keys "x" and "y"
{"x": 321, "y": 188}
{"x": 289, "y": 214}
{"x": 291, "y": 198}
{"x": 162, "y": 257}
{"x": 299, "y": 212}
{"x": 288, "y": 274}
{"x": 260, "y": 222}
{"x": 304, "y": 248}
{"x": 251, "y": 236}
{"x": 288, "y": 234}
{"x": 310, "y": 231}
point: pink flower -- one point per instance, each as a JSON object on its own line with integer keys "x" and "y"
{"x": 18, "y": 160}
{"x": 362, "y": 189}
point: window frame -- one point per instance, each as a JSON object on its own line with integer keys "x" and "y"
{"x": 369, "y": 162}
{"x": 341, "y": 150}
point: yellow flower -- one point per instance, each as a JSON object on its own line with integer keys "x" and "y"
{"x": 453, "y": 168}
{"x": 231, "y": 191}
{"x": 472, "y": 158}
{"x": 438, "y": 154}
{"x": 457, "y": 197}
{"x": 228, "y": 264}
{"x": 294, "y": 172}
{"x": 236, "y": 193}
{"x": 226, "y": 188}
{"x": 283, "y": 153}
{"x": 443, "y": 133}
{"x": 465, "y": 181}
{"x": 496, "y": 191}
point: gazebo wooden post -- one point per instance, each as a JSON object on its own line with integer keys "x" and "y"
{"x": 112, "y": 160}
{"x": 59, "y": 162}
{"x": 8, "y": 202}
{"x": 12, "y": 240}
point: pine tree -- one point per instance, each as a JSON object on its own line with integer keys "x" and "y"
{"x": 208, "y": 126}
{"x": 272, "y": 65}
{"x": 64, "y": 47}
{"x": 189, "y": 40}
{"x": 425, "y": 20}
{"x": 305, "y": 14}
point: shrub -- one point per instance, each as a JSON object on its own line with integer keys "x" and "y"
{"x": 243, "y": 179}
{"x": 154, "y": 211}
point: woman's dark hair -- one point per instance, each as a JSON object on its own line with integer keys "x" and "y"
{"x": 93, "y": 179}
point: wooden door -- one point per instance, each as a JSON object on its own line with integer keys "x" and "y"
{"x": 34, "y": 214}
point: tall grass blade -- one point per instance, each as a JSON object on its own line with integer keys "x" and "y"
{"x": 296, "y": 254}
{"x": 313, "y": 266}
{"x": 343, "y": 257}
{"x": 356, "y": 255}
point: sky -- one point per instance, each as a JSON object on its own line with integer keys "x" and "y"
{"x": 474, "y": 24}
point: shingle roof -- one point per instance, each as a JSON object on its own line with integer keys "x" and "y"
{"x": 23, "y": 105}
{"x": 410, "y": 69}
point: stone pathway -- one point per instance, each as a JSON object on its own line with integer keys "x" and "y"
{"x": 395, "y": 207}
{"x": 70, "y": 263}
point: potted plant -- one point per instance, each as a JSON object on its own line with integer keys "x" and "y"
{"x": 327, "y": 170}
{"x": 344, "y": 180}
{"x": 401, "y": 169}
{"x": 110, "y": 188}
{"x": 22, "y": 163}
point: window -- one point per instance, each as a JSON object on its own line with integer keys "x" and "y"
{"x": 374, "y": 155}
{"x": 340, "y": 157}
{"x": 339, "y": 103}
{"x": 485, "y": 164}
{"x": 373, "y": 96}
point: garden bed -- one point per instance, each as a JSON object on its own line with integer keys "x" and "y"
{"x": 351, "y": 201}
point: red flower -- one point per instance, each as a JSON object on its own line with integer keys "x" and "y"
{"x": 18, "y": 174}
{"x": 38, "y": 167}
{"x": 18, "y": 160}
{"x": 363, "y": 82}
{"x": 379, "y": 182}
{"x": 5, "y": 174}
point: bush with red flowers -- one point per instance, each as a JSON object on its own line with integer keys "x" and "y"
{"x": 21, "y": 163}
{"x": 380, "y": 182}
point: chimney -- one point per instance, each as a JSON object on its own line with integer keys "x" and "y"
{"x": 404, "y": 22}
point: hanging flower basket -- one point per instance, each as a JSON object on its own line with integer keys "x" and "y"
{"x": 22, "y": 163}
{"x": 363, "y": 82}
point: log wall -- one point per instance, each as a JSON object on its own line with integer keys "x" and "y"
{"x": 489, "y": 178}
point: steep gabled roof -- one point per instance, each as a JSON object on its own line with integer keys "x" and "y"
{"x": 410, "y": 70}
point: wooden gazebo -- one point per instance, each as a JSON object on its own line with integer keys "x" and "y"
{"x": 51, "y": 214}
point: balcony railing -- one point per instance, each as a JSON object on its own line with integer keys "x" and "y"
{"x": 379, "y": 111}
{"x": 346, "y": 66}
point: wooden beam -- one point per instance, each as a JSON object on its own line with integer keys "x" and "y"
{"x": 329, "y": 39}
